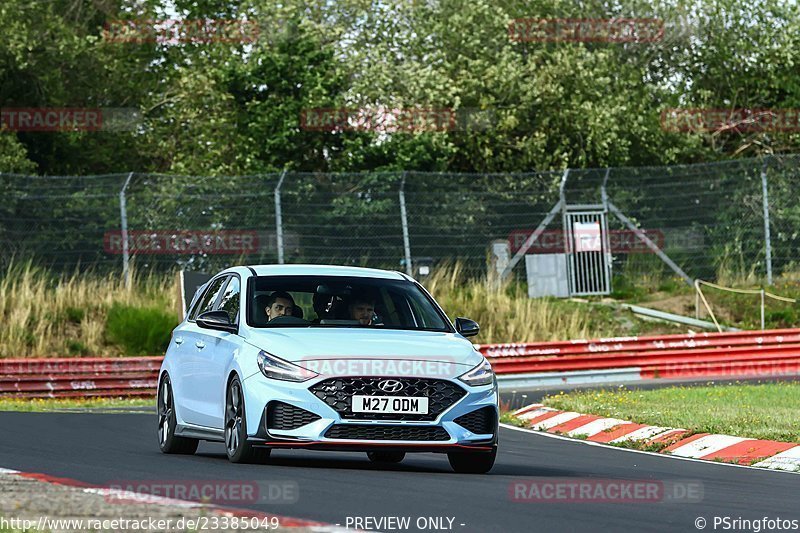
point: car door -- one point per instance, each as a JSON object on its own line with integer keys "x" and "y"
{"x": 191, "y": 366}
{"x": 220, "y": 349}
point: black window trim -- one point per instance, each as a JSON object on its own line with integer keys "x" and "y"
{"x": 215, "y": 307}
{"x": 224, "y": 286}
{"x": 436, "y": 306}
{"x": 439, "y": 311}
{"x": 209, "y": 284}
{"x": 250, "y": 289}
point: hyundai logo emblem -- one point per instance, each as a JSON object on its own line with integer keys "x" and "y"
{"x": 390, "y": 385}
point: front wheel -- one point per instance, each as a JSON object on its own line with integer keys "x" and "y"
{"x": 167, "y": 422}
{"x": 472, "y": 462}
{"x": 239, "y": 450}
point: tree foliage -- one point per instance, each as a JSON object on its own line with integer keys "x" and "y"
{"x": 231, "y": 107}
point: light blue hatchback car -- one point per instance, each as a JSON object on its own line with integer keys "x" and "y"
{"x": 326, "y": 357}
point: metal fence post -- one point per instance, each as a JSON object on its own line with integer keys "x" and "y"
{"x": 123, "y": 215}
{"x": 767, "y": 237}
{"x": 404, "y": 222}
{"x": 279, "y": 218}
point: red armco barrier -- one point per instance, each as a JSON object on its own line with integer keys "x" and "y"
{"x": 613, "y": 344}
{"x": 79, "y": 377}
{"x": 760, "y": 353}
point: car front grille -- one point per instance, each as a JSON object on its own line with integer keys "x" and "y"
{"x": 338, "y": 393}
{"x": 376, "y": 432}
{"x": 285, "y": 416}
{"x": 480, "y": 421}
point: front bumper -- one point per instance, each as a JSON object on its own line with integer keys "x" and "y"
{"x": 339, "y": 429}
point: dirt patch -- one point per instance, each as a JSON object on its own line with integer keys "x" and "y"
{"x": 683, "y": 304}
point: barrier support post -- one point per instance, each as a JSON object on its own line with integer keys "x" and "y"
{"x": 123, "y": 215}
{"x": 767, "y": 236}
{"x": 279, "y": 218}
{"x": 697, "y": 305}
{"x": 404, "y": 224}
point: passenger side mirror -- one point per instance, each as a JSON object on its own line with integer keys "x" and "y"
{"x": 467, "y": 327}
{"x": 218, "y": 320}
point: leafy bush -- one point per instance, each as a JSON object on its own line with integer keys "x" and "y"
{"x": 783, "y": 318}
{"x": 623, "y": 288}
{"x": 76, "y": 347}
{"x": 74, "y": 314}
{"x": 50, "y": 315}
{"x": 139, "y": 330}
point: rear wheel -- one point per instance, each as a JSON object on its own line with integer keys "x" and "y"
{"x": 239, "y": 450}
{"x": 472, "y": 462}
{"x": 167, "y": 422}
{"x": 386, "y": 457}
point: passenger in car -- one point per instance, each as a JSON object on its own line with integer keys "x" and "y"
{"x": 324, "y": 306}
{"x": 362, "y": 308}
{"x": 279, "y": 303}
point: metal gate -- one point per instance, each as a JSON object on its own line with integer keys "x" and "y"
{"x": 588, "y": 251}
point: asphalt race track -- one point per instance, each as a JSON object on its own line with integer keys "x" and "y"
{"x": 104, "y": 448}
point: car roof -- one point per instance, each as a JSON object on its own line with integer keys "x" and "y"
{"x": 324, "y": 270}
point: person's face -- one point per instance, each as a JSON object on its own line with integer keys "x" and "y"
{"x": 362, "y": 312}
{"x": 281, "y": 307}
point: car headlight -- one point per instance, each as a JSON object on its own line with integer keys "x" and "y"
{"x": 276, "y": 368}
{"x": 480, "y": 375}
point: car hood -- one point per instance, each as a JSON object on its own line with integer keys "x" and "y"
{"x": 349, "y": 351}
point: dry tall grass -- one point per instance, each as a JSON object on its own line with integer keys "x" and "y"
{"x": 46, "y": 316}
{"x": 504, "y": 311}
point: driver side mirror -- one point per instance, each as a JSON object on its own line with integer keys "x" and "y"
{"x": 467, "y": 327}
{"x": 218, "y": 320}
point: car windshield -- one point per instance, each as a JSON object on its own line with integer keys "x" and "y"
{"x": 341, "y": 302}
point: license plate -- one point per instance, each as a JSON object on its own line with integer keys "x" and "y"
{"x": 390, "y": 404}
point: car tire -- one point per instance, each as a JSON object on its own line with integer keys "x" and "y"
{"x": 386, "y": 457}
{"x": 472, "y": 462}
{"x": 168, "y": 422}
{"x": 238, "y": 449}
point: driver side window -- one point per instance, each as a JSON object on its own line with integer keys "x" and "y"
{"x": 230, "y": 300}
{"x": 206, "y": 303}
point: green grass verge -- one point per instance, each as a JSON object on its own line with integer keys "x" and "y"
{"x": 56, "y": 404}
{"x": 139, "y": 330}
{"x": 763, "y": 411}
{"x": 507, "y": 418}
